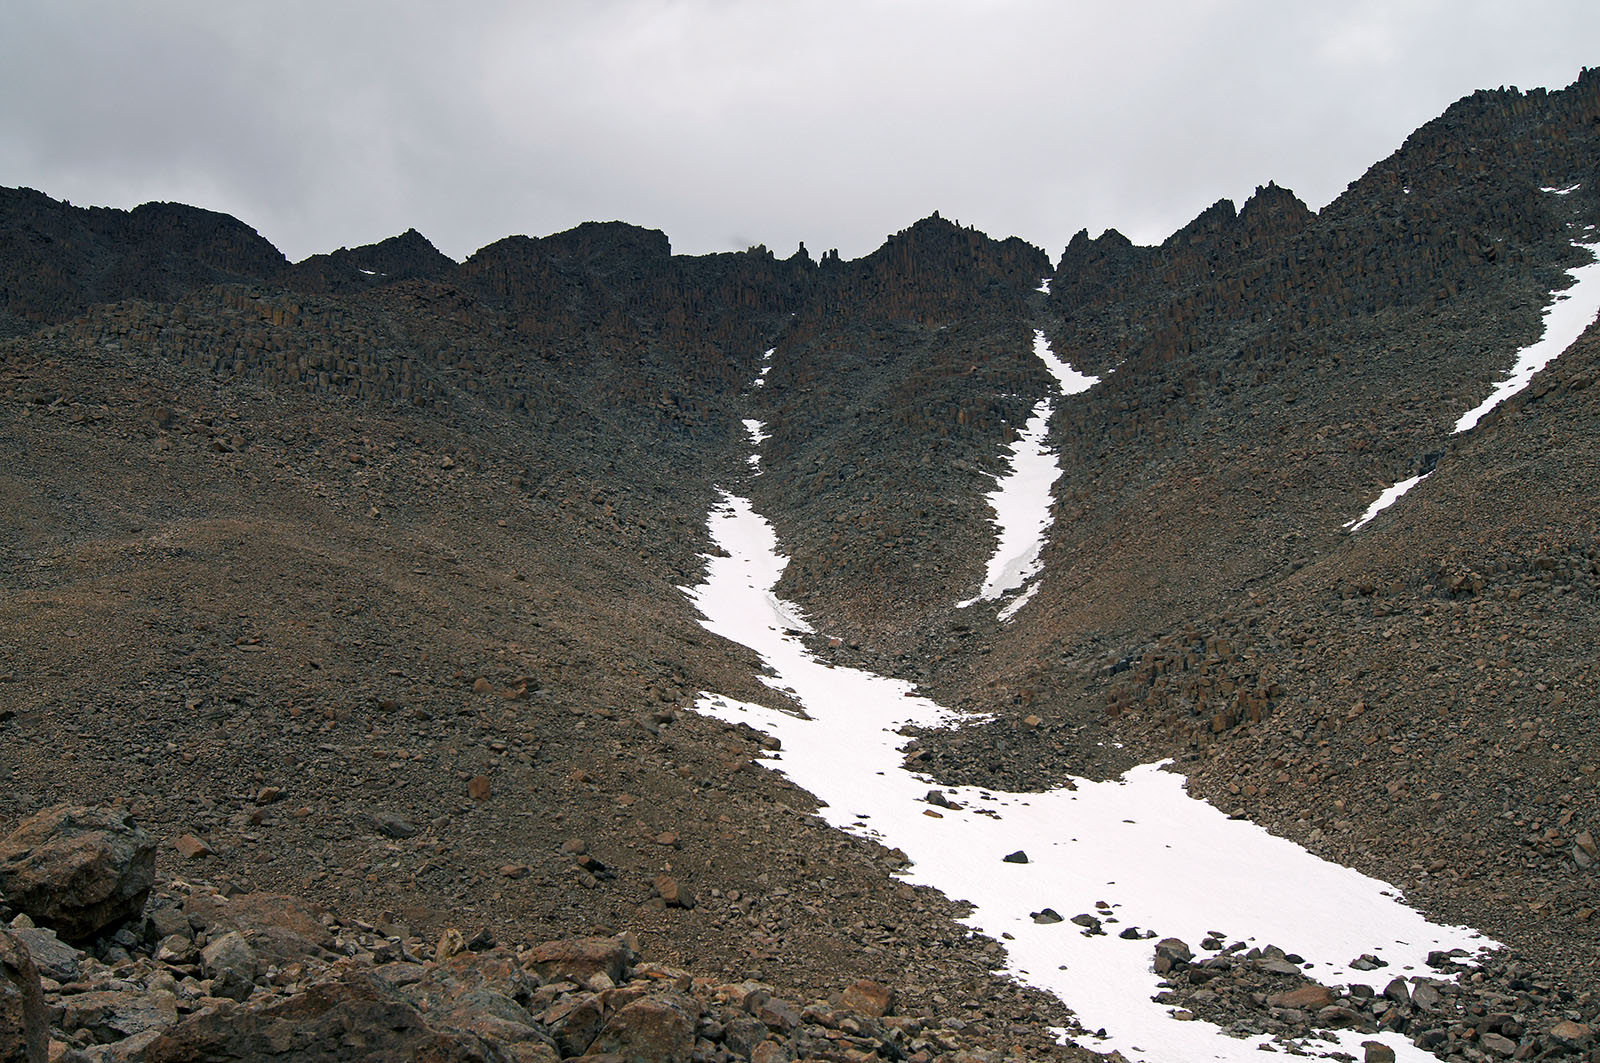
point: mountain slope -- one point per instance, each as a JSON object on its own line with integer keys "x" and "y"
{"x": 406, "y": 539}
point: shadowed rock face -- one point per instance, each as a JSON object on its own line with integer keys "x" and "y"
{"x": 77, "y": 870}
{"x": 408, "y": 256}
{"x": 56, "y": 260}
{"x": 24, "y": 1023}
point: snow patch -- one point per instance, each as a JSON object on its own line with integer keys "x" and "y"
{"x": 758, "y": 433}
{"x": 1385, "y": 500}
{"x": 1021, "y": 499}
{"x": 1565, "y": 320}
{"x": 1021, "y": 504}
{"x": 1567, "y": 317}
{"x": 1068, "y": 379}
{"x": 1159, "y": 860}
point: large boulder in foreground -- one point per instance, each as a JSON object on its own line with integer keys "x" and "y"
{"x": 78, "y": 870}
{"x": 24, "y": 1022}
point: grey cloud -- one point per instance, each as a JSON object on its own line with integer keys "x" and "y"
{"x": 727, "y": 124}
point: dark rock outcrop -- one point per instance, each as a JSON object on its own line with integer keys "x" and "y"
{"x": 79, "y": 871}
{"x": 24, "y": 1023}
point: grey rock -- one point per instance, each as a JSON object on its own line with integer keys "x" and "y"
{"x": 53, "y": 957}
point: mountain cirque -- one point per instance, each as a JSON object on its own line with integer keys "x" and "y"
{"x": 355, "y": 581}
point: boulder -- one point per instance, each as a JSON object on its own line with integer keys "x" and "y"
{"x": 579, "y": 959}
{"x": 279, "y": 928}
{"x": 479, "y": 993}
{"x": 52, "y": 957}
{"x": 1172, "y": 954}
{"x": 1309, "y": 997}
{"x": 1377, "y": 1052}
{"x": 653, "y": 1030}
{"x": 1572, "y": 1034}
{"x": 112, "y": 1015}
{"x": 24, "y": 1022}
{"x": 574, "y": 1021}
{"x": 231, "y": 964}
{"x": 78, "y": 870}
{"x": 868, "y": 998}
{"x": 673, "y": 893}
{"x": 359, "y": 1017}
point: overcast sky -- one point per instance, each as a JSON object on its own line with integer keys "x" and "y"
{"x": 727, "y": 124}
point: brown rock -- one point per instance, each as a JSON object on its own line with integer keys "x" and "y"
{"x": 868, "y": 998}
{"x": 674, "y": 893}
{"x": 231, "y": 964}
{"x": 479, "y": 993}
{"x": 1339, "y": 1018}
{"x": 359, "y": 1017}
{"x": 778, "y": 1014}
{"x": 574, "y": 1021}
{"x": 1172, "y": 954}
{"x": 52, "y": 957}
{"x": 1572, "y": 1034}
{"x": 191, "y": 848}
{"x": 1426, "y": 996}
{"x": 281, "y": 929}
{"x": 479, "y": 788}
{"x": 1309, "y": 997}
{"x": 770, "y": 1052}
{"x": 24, "y": 1022}
{"x": 1377, "y": 1052}
{"x": 482, "y": 686}
{"x": 742, "y": 1033}
{"x": 579, "y": 959}
{"x": 1499, "y": 1044}
{"x": 451, "y": 943}
{"x": 653, "y": 1030}
{"x": 77, "y": 870}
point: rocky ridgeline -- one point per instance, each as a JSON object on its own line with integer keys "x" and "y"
{"x": 1418, "y": 229}
{"x": 102, "y": 964}
{"x": 936, "y": 272}
{"x": 615, "y": 288}
{"x": 409, "y": 256}
{"x": 1497, "y": 1010}
{"x": 56, "y": 260}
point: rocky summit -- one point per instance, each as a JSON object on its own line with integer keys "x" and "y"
{"x": 347, "y": 677}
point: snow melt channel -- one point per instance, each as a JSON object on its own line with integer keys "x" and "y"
{"x": 1159, "y": 860}
{"x": 1021, "y": 498}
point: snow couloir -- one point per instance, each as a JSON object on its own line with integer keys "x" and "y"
{"x": 1136, "y": 851}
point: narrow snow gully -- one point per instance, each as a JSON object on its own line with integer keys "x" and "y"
{"x": 1137, "y": 852}
{"x": 1021, "y": 498}
{"x": 1569, "y": 314}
